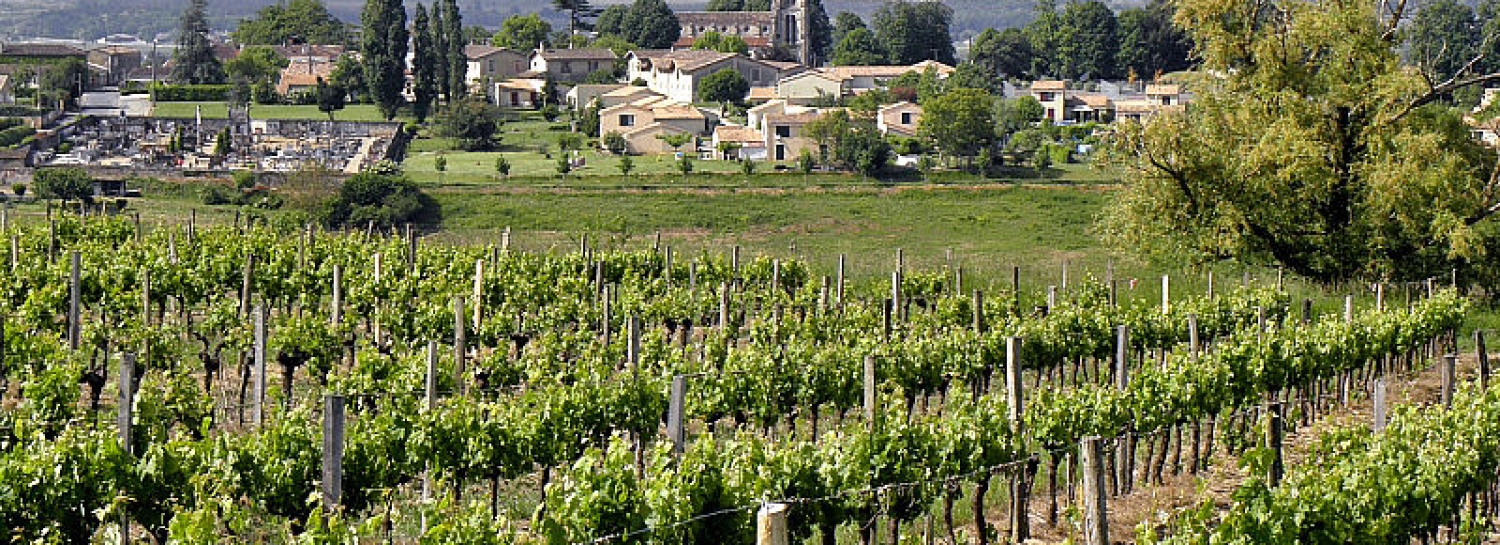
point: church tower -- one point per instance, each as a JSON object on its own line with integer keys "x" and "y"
{"x": 793, "y": 28}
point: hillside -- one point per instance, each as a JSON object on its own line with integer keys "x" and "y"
{"x": 81, "y": 19}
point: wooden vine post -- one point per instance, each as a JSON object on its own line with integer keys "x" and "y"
{"x": 676, "y": 431}
{"x": 1273, "y": 443}
{"x": 1379, "y": 401}
{"x": 1448, "y": 371}
{"x": 1124, "y": 470}
{"x": 1095, "y": 510}
{"x": 870, "y": 389}
{"x": 74, "y": 332}
{"x": 1481, "y": 354}
{"x": 460, "y": 351}
{"x": 333, "y": 451}
{"x": 1020, "y": 489}
{"x": 123, "y": 420}
{"x": 258, "y": 414}
{"x": 771, "y": 525}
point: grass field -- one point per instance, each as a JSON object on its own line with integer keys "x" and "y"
{"x": 219, "y": 110}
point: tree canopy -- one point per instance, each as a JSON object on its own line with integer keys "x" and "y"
{"x": 306, "y": 21}
{"x": 1309, "y": 145}
{"x": 383, "y": 44}
{"x": 961, "y": 121}
{"x": 196, "y": 63}
{"x": 915, "y": 31}
{"x": 425, "y": 60}
{"x": 522, "y": 32}
{"x": 66, "y": 184}
{"x": 650, "y": 24}
{"x": 859, "y": 47}
{"x": 723, "y": 86}
{"x": 256, "y": 64}
{"x": 387, "y": 200}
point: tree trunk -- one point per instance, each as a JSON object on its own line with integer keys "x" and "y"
{"x": 981, "y": 528}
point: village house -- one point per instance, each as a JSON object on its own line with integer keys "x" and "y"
{"x": 781, "y": 128}
{"x": 113, "y": 63}
{"x": 568, "y": 65}
{"x": 302, "y": 77}
{"x": 675, "y": 74}
{"x": 810, "y": 87}
{"x": 310, "y": 53}
{"x": 899, "y": 119}
{"x": 489, "y": 63}
{"x": 645, "y": 121}
{"x": 624, "y": 95}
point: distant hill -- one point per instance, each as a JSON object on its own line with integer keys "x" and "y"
{"x": 91, "y": 19}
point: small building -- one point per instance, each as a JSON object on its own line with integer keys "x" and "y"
{"x": 584, "y": 95}
{"x": 781, "y": 128}
{"x": 521, "y": 93}
{"x": 568, "y": 65}
{"x": 1086, "y": 107}
{"x": 676, "y": 74}
{"x": 493, "y": 63}
{"x": 311, "y": 53}
{"x": 1164, "y": 94}
{"x": 745, "y": 143}
{"x": 41, "y": 51}
{"x": 899, "y": 119}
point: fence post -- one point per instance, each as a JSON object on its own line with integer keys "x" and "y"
{"x": 479, "y": 291}
{"x": 460, "y": 351}
{"x": 1193, "y": 341}
{"x": 1051, "y": 298}
{"x": 978, "y": 311}
{"x": 1273, "y": 442}
{"x": 259, "y": 354}
{"x": 840, "y": 287}
{"x": 675, "y": 429}
{"x": 338, "y": 295}
{"x": 430, "y": 388}
{"x": 724, "y": 307}
{"x": 870, "y": 386}
{"x": 1481, "y": 353}
{"x": 73, "y": 295}
{"x": 505, "y": 240}
{"x": 123, "y": 419}
{"x": 1020, "y": 529}
{"x": 1095, "y": 510}
{"x": 1166, "y": 295}
{"x": 1210, "y": 289}
{"x": 1378, "y": 410}
{"x": 333, "y": 450}
{"x": 633, "y": 349}
{"x": 771, "y": 524}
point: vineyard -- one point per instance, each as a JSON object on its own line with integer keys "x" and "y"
{"x": 273, "y": 385}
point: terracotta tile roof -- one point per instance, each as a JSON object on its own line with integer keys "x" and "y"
{"x": 117, "y": 51}
{"x": 1163, "y": 89}
{"x": 735, "y": 133}
{"x": 40, "y": 50}
{"x": 585, "y": 54}
{"x": 1097, "y": 102}
{"x": 761, "y": 93}
{"x": 1136, "y": 106}
{"x": 676, "y": 111}
{"x": 903, "y": 105}
{"x": 782, "y": 65}
{"x": 476, "y": 52}
{"x": 1049, "y": 85}
{"x": 686, "y": 60}
{"x": 310, "y": 50}
{"x": 627, "y": 91}
{"x": 888, "y": 71}
{"x": 794, "y": 119}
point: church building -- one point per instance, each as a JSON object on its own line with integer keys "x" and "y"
{"x": 786, "y": 26}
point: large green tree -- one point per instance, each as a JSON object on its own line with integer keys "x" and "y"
{"x": 651, "y": 24}
{"x": 522, "y": 32}
{"x": 1003, "y": 53}
{"x": 307, "y": 21}
{"x": 843, "y": 23}
{"x": 384, "y": 43}
{"x": 859, "y": 47}
{"x": 1150, "y": 43}
{"x": 1045, "y": 32}
{"x": 425, "y": 60}
{"x": 440, "y": 46}
{"x": 724, "y": 86}
{"x": 1309, "y": 144}
{"x": 960, "y": 122}
{"x": 611, "y": 21}
{"x": 1444, "y": 37}
{"x": 196, "y": 63}
{"x": 915, "y": 31}
{"x": 452, "y": 51}
{"x": 256, "y": 63}
{"x": 1090, "y": 42}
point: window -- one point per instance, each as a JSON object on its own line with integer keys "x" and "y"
{"x": 755, "y": 75}
{"x": 1046, "y": 97}
{"x": 627, "y": 120}
{"x": 780, "y": 152}
{"x": 567, "y": 67}
{"x": 905, "y": 118}
{"x": 593, "y": 66}
{"x": 783, "y": 131}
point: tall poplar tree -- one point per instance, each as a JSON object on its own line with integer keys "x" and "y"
{"x": 195, "y": 61}
{"x": 440, "y": 44}
{"x": 424, "y": 65}
{"x": 458, "y": 62}
{"x": 383, "y": 43}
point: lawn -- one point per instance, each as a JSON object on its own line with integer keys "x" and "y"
{"x": 220, "y": 110}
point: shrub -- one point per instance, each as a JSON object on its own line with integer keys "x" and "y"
{"x": 191, "y": 93}
{"x": 550, "y": 113}
{"x": 18, "y": 189}
{"x": 387, "y": 200}
{"x": 64, "y": 183}
{"x": 615, "y": 143}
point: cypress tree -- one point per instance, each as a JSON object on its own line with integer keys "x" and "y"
{"x": 423, "y": 66}
{"x": 438, "y": 28}
{"x": 458, "y": 62}
{"x": 383, "y": 43}
{"x": 196, "y": 63}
